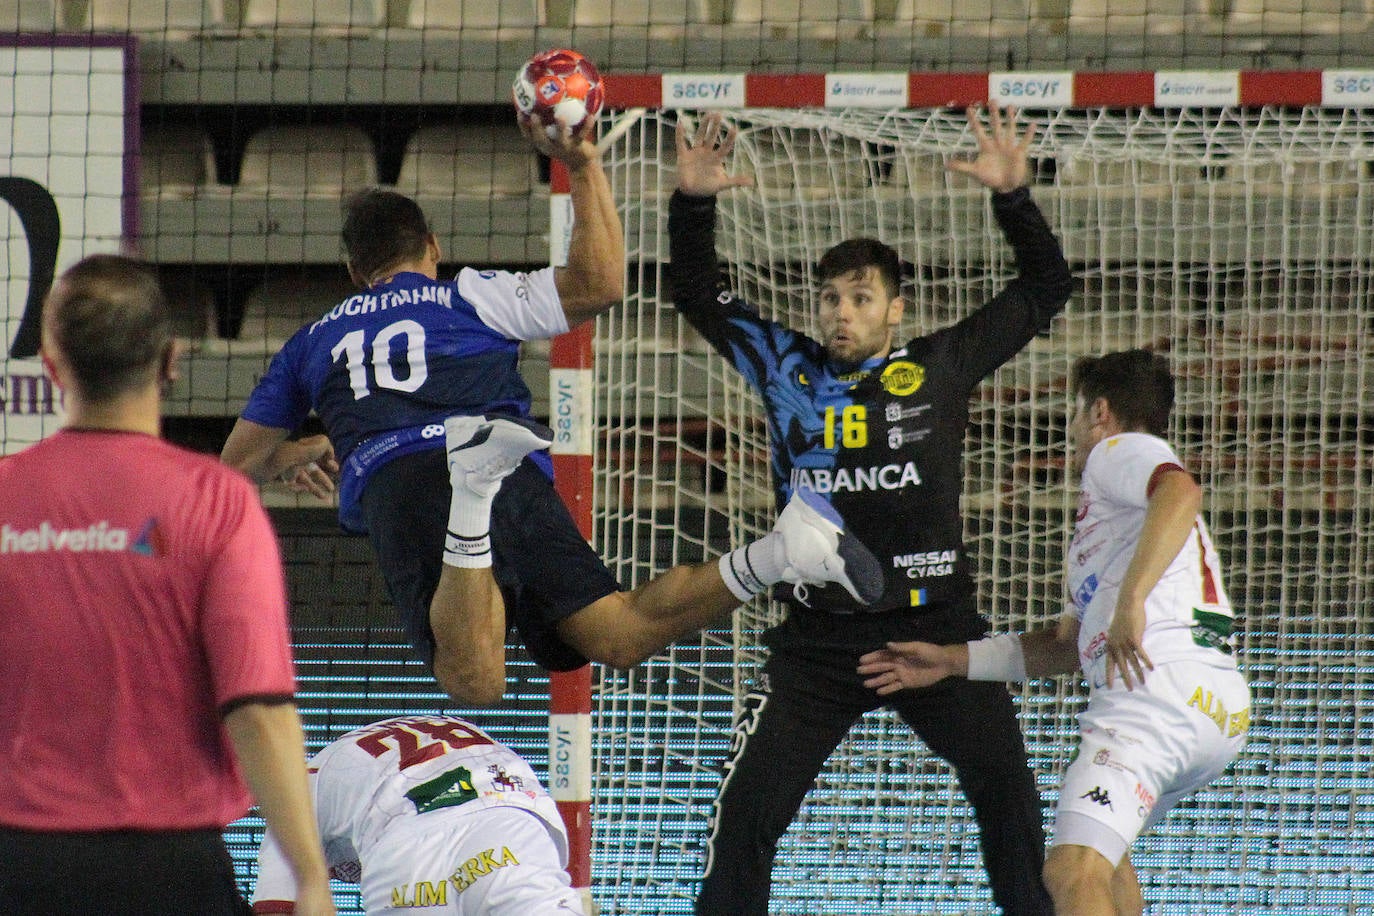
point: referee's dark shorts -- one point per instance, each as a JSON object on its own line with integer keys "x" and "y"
{"x": 118, "y": 873}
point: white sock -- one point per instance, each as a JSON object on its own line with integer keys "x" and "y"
{"x": 752, "y": 568}
{"x": 468, "y": 542}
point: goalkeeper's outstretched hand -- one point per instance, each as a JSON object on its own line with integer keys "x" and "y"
{"x": 701, "y": 157}
{"x": 1003, "y": 161}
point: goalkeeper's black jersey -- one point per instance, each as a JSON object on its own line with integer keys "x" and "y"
{"x": 885, "y": 442}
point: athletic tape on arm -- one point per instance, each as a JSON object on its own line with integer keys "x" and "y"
{"x": 997, "y": 658}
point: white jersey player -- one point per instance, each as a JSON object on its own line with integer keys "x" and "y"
{"x": 1187, "y": 614}
{"x": 1149, "y": 624}
{"x": 431, "y": 814}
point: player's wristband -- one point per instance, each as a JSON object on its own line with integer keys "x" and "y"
{"x": 997, "y": 658}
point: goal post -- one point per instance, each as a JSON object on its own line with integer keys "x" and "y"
{"x": 1237, "y": 238}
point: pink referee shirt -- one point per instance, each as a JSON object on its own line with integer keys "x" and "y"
{"x": 141, "y": 594}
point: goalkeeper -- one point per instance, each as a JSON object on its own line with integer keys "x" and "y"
{"x": 1148, "y": 622}
{"x": 879, "y": 427}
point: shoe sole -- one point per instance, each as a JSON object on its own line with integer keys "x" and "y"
{"x": 538, "y": 430}
{"x": 862, "y": 571}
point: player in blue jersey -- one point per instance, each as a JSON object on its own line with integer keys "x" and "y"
{"x": 878, "y": 427}
{"x": 427, "y": 428}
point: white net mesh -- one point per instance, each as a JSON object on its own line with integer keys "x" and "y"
{"x": 1240, "y": 242}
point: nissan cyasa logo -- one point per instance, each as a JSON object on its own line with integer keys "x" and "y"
{"x": 38, "y": 215}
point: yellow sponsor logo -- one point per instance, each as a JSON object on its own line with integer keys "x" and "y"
{"x": 424, "y": 893}
{"x": 1229, "y": 724}
{"x": 901, "y": 378}
{"x": 466, "y": 875}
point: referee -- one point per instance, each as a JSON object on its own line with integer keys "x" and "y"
{"x": 146, "y": 683}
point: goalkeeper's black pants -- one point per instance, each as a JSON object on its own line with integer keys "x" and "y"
{"x": 798, "y": 713}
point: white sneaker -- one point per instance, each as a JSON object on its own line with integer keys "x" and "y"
{"x": 485, "y": 449}
{"x": 819, "y": 550}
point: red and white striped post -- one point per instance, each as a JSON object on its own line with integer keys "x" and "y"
{"x": 570, "y": 415}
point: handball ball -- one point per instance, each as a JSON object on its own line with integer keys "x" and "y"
{"x": 558, "y": 87}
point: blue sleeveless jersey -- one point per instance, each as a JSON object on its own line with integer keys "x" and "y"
{"x": 384, "y": 368}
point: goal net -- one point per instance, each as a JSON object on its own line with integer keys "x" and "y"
{"x": 1237, "y": 241}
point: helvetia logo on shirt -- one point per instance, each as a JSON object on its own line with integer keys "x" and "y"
{"x": 100, "y": 537}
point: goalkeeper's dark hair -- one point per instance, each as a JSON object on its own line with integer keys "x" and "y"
{"x": 107, "y": 317}
{"x": 1137, "y": 384}
{"x": 382, "y": 229}
{"x": 854, "y": 255}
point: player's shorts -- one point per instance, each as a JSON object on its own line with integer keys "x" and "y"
{"x": 493, "y": 862}
{"x": 1142, "y": 751}
{"x": 546, "y": 569}
{"x": 115, "y": 872}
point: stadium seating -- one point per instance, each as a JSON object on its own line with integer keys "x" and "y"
{"x": 159, "y": 16}
{"x": 320, "y": 159}
{"x": 470, "y": 160}
{"x": 474, "y": 14}
{"x": 192, "y": 307}
{"x": 278, "y": 307}
{"x": 1123, "y": 178}
{"x": 918, "y": 175}
{"x": 1307, "y": 17}
{"x": 1132, "y": 17}
{"x": 175, "y": 160}
{"x": 327, "y": 15}
{"x": 807, "y": 169}
{"x": 653, "y": 13}
{"x": 842, "y": 19}
{"x": 963, "y": 18}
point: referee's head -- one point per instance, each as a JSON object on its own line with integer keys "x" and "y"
{"x": 106, "y": 328}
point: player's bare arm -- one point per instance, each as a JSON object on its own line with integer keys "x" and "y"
{"x": 1169, "y": 518}
{"x": 593, "y": 280}
{"x": 1003, "y": 160}
{"x": 912, "y": 665}
{"x": 906, "y": 665}
{"x": 701, "y": 156}
{"x": 306, "y": 465}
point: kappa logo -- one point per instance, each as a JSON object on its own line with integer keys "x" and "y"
{"x": 1099, "y": 796}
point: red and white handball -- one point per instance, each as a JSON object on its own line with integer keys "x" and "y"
{"x": 559, "y": 87}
